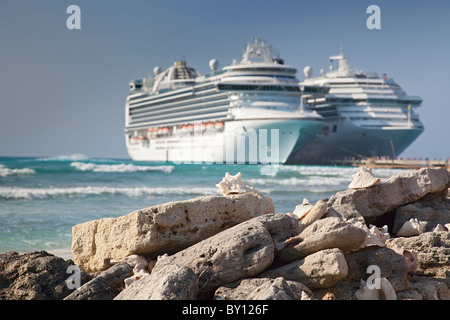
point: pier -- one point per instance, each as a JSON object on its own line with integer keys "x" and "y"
{"x": 397, "y": 163}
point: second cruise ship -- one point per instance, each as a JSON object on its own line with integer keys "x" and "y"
{"x": 247, "y": 112}
{"x": 365, "y": 116}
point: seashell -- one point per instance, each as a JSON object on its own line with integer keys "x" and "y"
{"x": 329, "y": 296}
{"x": 233, "y": 185}
{"x": 411, "y": 258}
{"x": 438, "y": 228}
{"x": 412, "y": 228}
{"x": 137, "y": 262}
{"x": 385, "y": 292}
{"x": 375, "y": 236}
{"x": 364, "y": 293}
{"x": 447, "y": 225}
{"x": 364, "y": 178}
{"x": 142, "y": 273}
{"x": 302, "y": 210}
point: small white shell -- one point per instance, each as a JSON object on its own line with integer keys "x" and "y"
{"x": 302, "y": 209}
{"x": 438, "y": 228}
{"x": 413, "y": 227}
{"x": 385, "y": 292}
{"x": 233, "y": 185}
{"x": 137, "y": 262}
{"x": 375, "y": 236}
{"x": 135, "y": 277}
{"x": 364, "y": 178}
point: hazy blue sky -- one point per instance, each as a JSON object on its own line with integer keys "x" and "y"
{"x": 63, "y": 91}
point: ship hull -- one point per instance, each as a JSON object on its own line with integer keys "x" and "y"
{"x": 350, "y": 141}
{"x": 255, "y": 141}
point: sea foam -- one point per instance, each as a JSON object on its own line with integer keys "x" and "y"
{"x": 49, "y": 193}
{"x": 82, "y": 166}
{"x": 4, "y": 172}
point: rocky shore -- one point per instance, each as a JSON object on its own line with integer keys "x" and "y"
{"x": 378, "y": 240}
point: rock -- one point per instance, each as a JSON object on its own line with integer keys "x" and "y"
{"x": 105, "y": 286}
{"x": 433, "y": 251}
{"x": 400, "y": 189}
{"x": 316, "y": 212}
{"x": 164, "y": 228}
{"x": 319, "y": 270}
{"x": 171, "y": 283}
{"x": 264, "y": 289}
{"x": 392, "y": 267}
{"x": 424, "y": 288}
{"x": 433, "y": 209}
{"x": 239, "y": 252}
{"x": 322, "y": 234}
{"x": 34, "y": 276}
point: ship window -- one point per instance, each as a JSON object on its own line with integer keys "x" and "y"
{"x": 334, "y": 128}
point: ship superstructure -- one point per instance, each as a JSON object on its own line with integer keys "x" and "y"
{"x": 247, "y": 112}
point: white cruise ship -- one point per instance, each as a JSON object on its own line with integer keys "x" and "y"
{"x": 248, "y": 112}
{"x": 365, "y": 116}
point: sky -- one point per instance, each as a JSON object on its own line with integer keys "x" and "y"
{"x": 63, "y": 91}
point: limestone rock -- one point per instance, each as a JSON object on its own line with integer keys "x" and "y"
{"x": 105, "y": 286}
{"x": 433, "y": 251}
{"x": 314, "y": 214}
{"x": 392, "y": 267}
{"x": 34, "y": 276}
{"x": 163, "y": 228}
{"x": 239, "y": 252}
{"x": 264, "y": 289}
{"x": 433, "y": 209}
{"x": 429, "y": 288}
{"x": 325, "y": 234}
{"x": 319, "y": 270}
{"x": 400, "y": 189}
{"x": 171, "y": 283}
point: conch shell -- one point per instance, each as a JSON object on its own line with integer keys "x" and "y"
{"x": 233, "y": 185}
{"x": 364, "y": 178}
{"x": 413, "y": 227}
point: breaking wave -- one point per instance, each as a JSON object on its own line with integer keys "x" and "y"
{"x": 4, "y": 172}
{"x": 118, "y": 167}
{"x": 50, "y": 193}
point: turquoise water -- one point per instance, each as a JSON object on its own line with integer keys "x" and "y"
{"x": 42, "y": 198}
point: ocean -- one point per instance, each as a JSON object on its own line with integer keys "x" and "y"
{"x": 41, "y": 198}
